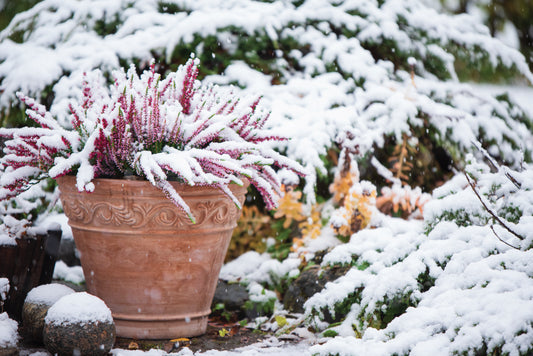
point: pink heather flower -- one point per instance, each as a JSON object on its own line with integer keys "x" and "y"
{"x": 152, "y": 126}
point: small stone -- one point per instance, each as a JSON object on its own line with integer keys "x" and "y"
{"x": 232, "y": 295}
{"x": 307, "y": 284}
{"x": 36, "y": 305}
{"x": 8, "y": 351}
{"x": 79, "y": 324}
{"x": 68, "y": 252}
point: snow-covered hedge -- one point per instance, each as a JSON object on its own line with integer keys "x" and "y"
{"x": 372, "y": 65}
{"x": 464, "y": 285}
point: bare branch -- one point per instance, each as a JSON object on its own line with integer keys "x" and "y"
{"x": 495, "y": 165}
{"x": 499, "y": 238}
{"x": 496, "y": 217}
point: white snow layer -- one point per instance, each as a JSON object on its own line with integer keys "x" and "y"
{"x": 78, "y": 308}
{"x": 271, "y": 347}
{"x": 72, "y": 274}
{"x": 4, "y": 288}
{"x": 48, "y": 294}
{"x": 8, "y": 332}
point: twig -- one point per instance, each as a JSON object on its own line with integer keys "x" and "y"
{"x": 499, "y": 238}
{"x": 496, "y": 217}
{"x": 495, "y": 165}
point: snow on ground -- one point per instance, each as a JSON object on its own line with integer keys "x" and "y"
{"x": 72, "y": 274}
{"x": 270, "y": 347}
{"x": 8, "y": 332}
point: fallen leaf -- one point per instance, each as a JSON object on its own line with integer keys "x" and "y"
{"x": 281, "y": 320}
{"x": 181, "y": 339}
{"x": 133, "y": 346}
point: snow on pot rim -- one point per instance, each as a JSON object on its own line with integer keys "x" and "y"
{"x": 78, "y": 308}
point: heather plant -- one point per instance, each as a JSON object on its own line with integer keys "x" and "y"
{"x": 160, "y": 129}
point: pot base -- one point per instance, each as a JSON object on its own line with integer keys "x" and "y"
{"x": 160, "y": 329}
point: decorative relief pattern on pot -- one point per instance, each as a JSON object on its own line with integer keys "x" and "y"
{"x": 138, "y": 214}
{"x": 217, "y": 213}
{"x": 160, "y": 215}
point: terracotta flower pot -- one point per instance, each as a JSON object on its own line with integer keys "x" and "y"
{"x": 154, "y": 268}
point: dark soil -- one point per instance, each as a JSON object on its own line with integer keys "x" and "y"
{"x": 218, "y": 337}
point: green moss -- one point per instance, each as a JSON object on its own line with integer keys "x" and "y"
{"x": 330, "y": 333}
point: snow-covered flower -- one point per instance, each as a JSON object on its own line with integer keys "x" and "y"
{"x": 161, "y": 129}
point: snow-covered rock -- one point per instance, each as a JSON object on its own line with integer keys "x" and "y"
{"x": 36, "y": 305}
{"x": 79, "y": 323}
{"x": 78, "y": 308}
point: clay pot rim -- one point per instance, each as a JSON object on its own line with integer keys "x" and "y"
{"x": 68, "y": 183}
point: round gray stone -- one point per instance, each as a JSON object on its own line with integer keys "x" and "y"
{"x": 35, "y": 307}
{"x": 93, "y": 338}
{"x": 79, "y": 324}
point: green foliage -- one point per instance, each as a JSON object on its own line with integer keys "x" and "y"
{"x": 425, "y": 280}
{"x": 260, "y": 308}
{"x": 282, "y": 247}
{"x": 386, "y": 310}
{"x": 498, "y": 15}
{"x": 330, "y": 333}
{"x": 9, "y": 8}
{"x": 220, "y": 310}
{"x": 107, "y": 26}
{"x": 340, "y": 309}
{"x": 361, "y": 266}
{"x": 511, "y": 213}
{"x": 459, "y": 216}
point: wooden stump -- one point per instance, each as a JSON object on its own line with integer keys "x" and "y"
{"x": 27, "y": 265}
